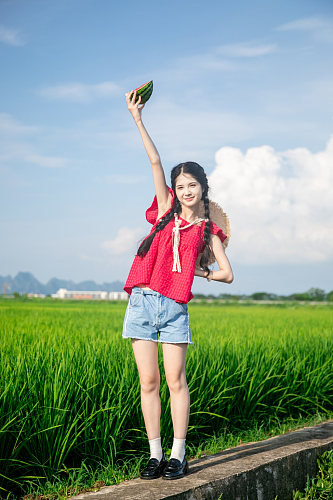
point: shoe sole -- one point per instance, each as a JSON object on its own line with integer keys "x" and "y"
{"x": 152, "y": 477}
{"x": 156, "y": 477}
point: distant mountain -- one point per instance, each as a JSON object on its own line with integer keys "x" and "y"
{"x": 27, "y": 283}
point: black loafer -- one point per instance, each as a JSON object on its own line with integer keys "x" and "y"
{"x": 154, "y": 468}
{"x": 175, "y": 469}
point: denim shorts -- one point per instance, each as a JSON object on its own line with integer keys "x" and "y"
{"x": 150, "y": 313}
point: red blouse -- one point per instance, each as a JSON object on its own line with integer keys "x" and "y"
{"x": 155, "y": 268}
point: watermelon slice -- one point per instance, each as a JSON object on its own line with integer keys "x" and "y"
{"x": 145, "y": 91}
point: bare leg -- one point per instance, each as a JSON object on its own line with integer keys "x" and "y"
{"x": 174, "y": 356}
{"x": 146, "y": 356}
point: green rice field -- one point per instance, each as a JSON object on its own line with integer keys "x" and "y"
{"x": 69, "y": 387}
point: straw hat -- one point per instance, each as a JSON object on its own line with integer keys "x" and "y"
{"x": 220, "y": 218}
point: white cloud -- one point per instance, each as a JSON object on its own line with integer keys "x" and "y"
{"x": 19, "y": 152}
{"x": 220, "y": 58}
{"x": 80, "y": 92}
{"x": 321, "y": 29}
{"x": 10, "y": 126}
{"x": 46, "y": 161}
{"x": 14, "y": 147}
{"x": 11, "y": 36}
{"x": 304, "y": 24}
{"x": 246, "y": 49}
{"x": 126, "y": 240}
{"x": 280, "y": 204}
{"x": 105, "y": 88}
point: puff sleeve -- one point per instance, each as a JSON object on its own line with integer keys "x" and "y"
{"x": 214, "y": 229}
{"x": 152, "y": 211}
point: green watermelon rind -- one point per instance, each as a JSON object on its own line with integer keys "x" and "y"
{"x": 145, "y": 92}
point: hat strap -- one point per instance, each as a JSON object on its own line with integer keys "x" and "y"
{"x": 176, "y": 240}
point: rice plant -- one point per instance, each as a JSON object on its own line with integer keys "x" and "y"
{"x": 70, "y": 393}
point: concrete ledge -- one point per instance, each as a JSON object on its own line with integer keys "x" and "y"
{"x": 259, "y": 471}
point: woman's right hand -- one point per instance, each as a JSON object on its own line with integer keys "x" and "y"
{"x": 133, "y": 106}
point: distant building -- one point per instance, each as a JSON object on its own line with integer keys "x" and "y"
{"x": 118, "y": 296}
{"x": 63, "y": 293}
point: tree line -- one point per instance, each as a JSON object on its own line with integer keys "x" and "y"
{"x": 313, "y": 294}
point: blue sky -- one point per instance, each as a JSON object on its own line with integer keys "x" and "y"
{"x": 243, "y": 88}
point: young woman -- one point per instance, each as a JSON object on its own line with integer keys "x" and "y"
{"x": 178, "y": 248}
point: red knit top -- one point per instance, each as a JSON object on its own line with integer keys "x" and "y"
{"x": 154, "y": 269}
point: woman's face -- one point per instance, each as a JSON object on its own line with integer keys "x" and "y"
{"x": 188, "y": 190}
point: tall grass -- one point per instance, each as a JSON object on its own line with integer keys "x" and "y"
{"x": 321, "y": 486}
{"x": 69, "y": 388}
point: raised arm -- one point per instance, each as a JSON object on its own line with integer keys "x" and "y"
{"x": 162, "y": 193}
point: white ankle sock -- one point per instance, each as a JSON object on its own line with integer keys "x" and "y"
{"x": 178, "y": 449}
{"x": 155, "y": 448}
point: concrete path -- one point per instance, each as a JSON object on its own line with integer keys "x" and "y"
{"x": 259, "y": 471}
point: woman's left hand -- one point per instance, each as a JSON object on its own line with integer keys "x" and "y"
{"x": 200, "y": 272}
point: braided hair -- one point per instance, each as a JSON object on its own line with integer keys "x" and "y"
{"x": 206, "y": 253}
{"x": 199, "y": 174}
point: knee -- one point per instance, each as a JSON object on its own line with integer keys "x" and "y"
{"x": 150, "y": 383}
{"x": 177, "y": 384}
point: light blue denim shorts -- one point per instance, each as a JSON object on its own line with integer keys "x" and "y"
{"x": 150, "y": 313}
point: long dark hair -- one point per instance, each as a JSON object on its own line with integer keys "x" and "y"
{"x": 194, "y": 169}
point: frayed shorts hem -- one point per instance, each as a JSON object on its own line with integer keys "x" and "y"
{"x": 159, "y": 340}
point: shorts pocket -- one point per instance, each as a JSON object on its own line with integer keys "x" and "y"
{"x": 135, "y": 299}
{"x": 183, "y": 307}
